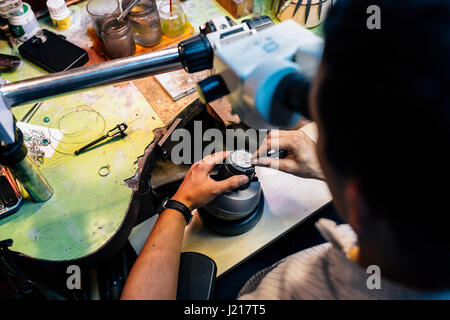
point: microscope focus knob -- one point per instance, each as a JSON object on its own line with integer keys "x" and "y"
{"x": 212, "y": 88}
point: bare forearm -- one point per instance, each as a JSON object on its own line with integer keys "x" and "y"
{"x": 155, "y": 272}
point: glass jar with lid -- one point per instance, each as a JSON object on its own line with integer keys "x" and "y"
{"x": 117, "y": 38}
{"x": 172, "y": 18}
{"x": 144, "y": 22}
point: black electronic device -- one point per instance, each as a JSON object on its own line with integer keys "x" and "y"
{"x": 52, "y": 52}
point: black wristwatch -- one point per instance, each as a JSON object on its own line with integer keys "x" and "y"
{"x": 176, "y": 205}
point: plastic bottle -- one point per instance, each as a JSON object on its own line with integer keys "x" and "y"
{"x": 59, "y": 13}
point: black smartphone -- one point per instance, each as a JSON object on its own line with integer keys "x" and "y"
{"x": 52, "y": 52}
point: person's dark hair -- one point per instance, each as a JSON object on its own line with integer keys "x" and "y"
{"x": 385, "y": 107}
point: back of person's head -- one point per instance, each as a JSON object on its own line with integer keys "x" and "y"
{"x": 385, "y": 108}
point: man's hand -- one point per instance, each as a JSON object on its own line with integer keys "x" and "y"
{"x": 198, "y": 188}
{"x": 301, "y": 159}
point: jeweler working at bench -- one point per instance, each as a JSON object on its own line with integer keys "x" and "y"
{"x": 382, "y": 106}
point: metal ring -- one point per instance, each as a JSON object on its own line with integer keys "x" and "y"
{"x": 104, "y": 171}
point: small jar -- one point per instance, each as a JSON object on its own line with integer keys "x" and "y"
{"x": 145, "y": 22}
{"x": 172, "y": 19}
{"x": 117, "y": 38}
{"x": 24, "y": 25}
